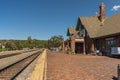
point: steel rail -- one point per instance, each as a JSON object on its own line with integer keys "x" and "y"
{"x": 13, "y": 70}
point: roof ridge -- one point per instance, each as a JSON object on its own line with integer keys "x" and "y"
{"x": 90, "y": 16}
{"x": 114, "y": 15}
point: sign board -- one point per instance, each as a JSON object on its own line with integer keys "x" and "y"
{"x": 79, "y": 40}
{"x": 115, "y": 50}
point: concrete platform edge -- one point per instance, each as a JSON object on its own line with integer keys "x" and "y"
{"x": 39, "y": 72}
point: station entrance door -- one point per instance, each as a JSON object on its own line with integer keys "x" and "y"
{"x": 79, "y": 48}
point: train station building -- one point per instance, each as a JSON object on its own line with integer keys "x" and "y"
{"x": 93, "y": 33}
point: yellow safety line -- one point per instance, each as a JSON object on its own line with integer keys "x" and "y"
{"x": 39, "y": 73}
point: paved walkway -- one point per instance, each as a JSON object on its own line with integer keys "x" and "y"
{"x": 79, "y": 67}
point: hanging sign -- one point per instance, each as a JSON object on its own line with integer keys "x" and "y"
{"x": 79, "y": 40}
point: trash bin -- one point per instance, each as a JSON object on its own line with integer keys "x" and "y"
{"x": 97, "y": 52}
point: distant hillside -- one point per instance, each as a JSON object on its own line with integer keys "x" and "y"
{"x": 20, "y": 44}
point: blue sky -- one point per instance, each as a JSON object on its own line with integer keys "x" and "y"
{"x": 42, "y": 19}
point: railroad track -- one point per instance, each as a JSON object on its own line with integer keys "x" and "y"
{"x": 13, "y": 54}
{"x": 12, "y": 71}
{"x": 8, "y": 55}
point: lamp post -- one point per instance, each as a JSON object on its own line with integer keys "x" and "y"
{"x": 118, "y": 71}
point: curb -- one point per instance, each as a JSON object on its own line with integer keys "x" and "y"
{"x": 39, "y": 72}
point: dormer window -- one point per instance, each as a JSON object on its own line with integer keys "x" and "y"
{"x": 80, "y": 27}
{"x": 82, "y": 33}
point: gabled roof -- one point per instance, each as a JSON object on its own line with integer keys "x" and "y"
{"x": 95, "y": 28}
{"x": 110, "y": 26}
{"x": 71, "y": 31}
{"x": 91, "y": 24}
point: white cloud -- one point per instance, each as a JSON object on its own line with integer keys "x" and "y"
{"x": 115, "y": 8}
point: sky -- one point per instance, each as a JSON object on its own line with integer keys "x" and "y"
{"x": 42, "y": 19}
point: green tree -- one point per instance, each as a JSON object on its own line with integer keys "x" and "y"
{"x": 55, "y": 41}
{"x": 29, "y": 39}
{"x": 29, "y": 42}
{"x": 11, "y": 45}
{"x": 20, "y": 44}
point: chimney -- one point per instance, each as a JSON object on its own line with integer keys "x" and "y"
{"x": 102, "y": 12}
